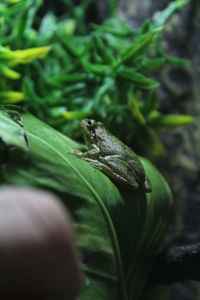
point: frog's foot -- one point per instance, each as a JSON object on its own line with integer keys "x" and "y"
{"x": 77, "y": 153}
{"x": 91, "y": 154}
{"x": 147, "y": 185}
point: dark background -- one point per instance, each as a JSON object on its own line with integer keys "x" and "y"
{"x": 180, "y": 93}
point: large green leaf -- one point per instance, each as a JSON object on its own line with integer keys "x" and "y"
{"x": 118, "y": 232}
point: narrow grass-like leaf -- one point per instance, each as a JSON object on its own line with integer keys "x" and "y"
{"x": 23, "y": 56}
{"x": 160, "y": 18}
{"x": 70, "y": 115}
{"x": 11, "y": 97}
{"x": 140, "y": 44}
{"x": 94, "y": 68}
{"x": 8, "y": 11}
{"x": 177, "y": 61}
{"x": 8, "y": 72}
{"x": 135, "y": 109}
{"x": 71, "y": 47}
{"x": 103, "y": 51}
{"x": 137, "y": 78}
{"x": 118, "y": 32}
{"x": 151, "y": 104}
{"x": 152, "y": 65}
{"x": 171, "y": 121}
{"x": 66, "y": 78}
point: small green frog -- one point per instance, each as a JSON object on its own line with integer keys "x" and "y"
{"x": 112, "y": 157}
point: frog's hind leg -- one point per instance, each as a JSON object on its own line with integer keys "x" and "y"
{"x": 106, "y": 170}
{"x": 119, "y": 166}
{"x": 147, "y": 185}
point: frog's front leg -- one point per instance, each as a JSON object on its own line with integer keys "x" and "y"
{"x": 93, "y": 153}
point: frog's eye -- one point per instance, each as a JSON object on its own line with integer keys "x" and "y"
{"x": 90, "y": 124}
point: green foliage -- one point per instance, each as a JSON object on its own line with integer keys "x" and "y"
{"x": 8, "y": 59}
{"x": 118, "y": 232}
{"x": 105, "y": 73}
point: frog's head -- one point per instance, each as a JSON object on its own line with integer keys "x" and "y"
{"x": 88, "y": 126}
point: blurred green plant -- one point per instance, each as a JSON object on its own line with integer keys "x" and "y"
{"x": 101, "y": 71}
{"x": 8, "y": 59}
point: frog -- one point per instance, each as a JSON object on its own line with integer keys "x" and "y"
{"x": 111, "y": 156}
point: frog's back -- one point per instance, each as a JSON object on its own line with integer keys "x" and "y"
{"x": 111, "y": 145}
{"x": 107, "y": 142}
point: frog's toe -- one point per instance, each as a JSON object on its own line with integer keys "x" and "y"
{"x": 134, "y": 185}
{"x": 77, "y": 152}
{"x": 147, "y": 185}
